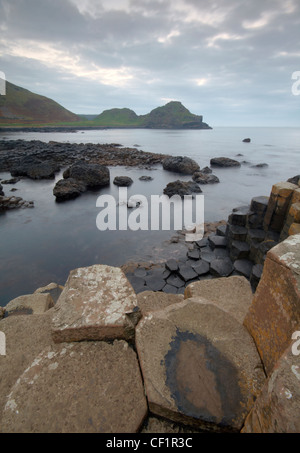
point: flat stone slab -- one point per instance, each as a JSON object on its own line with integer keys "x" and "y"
{"x": 231, "y": 294}
{"x": 221, "y": 267}
{"x": 86, "y": 387}
{"x": 29, "y": 304}
{"x": 200, "y": 366}
{"x": 26, "y": 336}
{"x": 149, "y": 301}
{"x": 93, "y": 305}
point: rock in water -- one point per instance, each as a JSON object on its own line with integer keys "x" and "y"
{"x": 179, "y": 164}
{"x": 91, "y": 175}
{"x": 224, "y": 162}
{"x": 66, "y": 189}
{"x": 181, "y": 188}
{"x": 123, "y": 181}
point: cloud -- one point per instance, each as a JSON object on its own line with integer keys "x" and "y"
{"x": 91, "y": 55}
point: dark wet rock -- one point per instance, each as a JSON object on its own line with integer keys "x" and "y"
{"x": 123, "y": 181}
{"x": 201, "y": 267}
{"x": 221, "y": 230}
{"x": 239, "y": 216}
{"x": 179, "y": 164}
{"x": 207, "y": 254}
{"x": 294, "y": 180}
{"x": 256, "y": 274}
{"x": 10, "y": 181}
{"x": 181, "y": 188}
{"x": 206, "y": 170}
{"x": 247, "y": 140}
{"x": 67, "y": 189}
{"x": 243, "y": 267}
{"x": 175, "y": 280}
{"x": 138, "y": 283}
{"x": 34, "y": 168}
{"x": 187, "y": 273}
{"x": 140, "y": 272}
{"x": 221, "y": 267}
{"x": 224, "y": 162}
{"x": 239, "y": 250}
{"x": 237, "y": 233}
{"x": 221, "y": 252}
{"x": 172, "y": 265}
{"x": 91, "y": 175}
{"x": 256, "y": 235}
{"x": 169, "y": 289}
{"x": 193, "y": 254}
{"x": 203, "y": 178}
{"x": 155, "y": 283}
{"x": 1, "y": 190}
{"x": 217, "y": 241}
{"x": 146, "y": 178}
{"x": 202, "y": 243}
{"x": 263, "y": 165}
{"x": 7, "y": 203}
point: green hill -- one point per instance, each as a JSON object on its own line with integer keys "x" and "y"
{"x": 21, "y": 106}
{"x": 118, "y": 118}
{"x": 171, "y": 116}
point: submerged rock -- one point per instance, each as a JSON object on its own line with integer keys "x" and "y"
{"x": 123, "y": 181}
{"x": 224, "y": 162}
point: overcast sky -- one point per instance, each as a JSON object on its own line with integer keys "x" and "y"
{"x": 230, "y": 60}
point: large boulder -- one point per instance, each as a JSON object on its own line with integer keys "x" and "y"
{"x": 200, "y": 366}
{"x": 224, "y": 162}
{"x": 179, "y": 164}
{"x": 29, "y": 304}
{"x": 181, "y": 188}
{"x": 86, "y": 387}
{"x": 94, "y": 305}
{"x": 67, "y": 189}
{"x": 92, "y": 176}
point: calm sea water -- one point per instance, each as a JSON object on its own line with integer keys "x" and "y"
{"x": 42, "y": 245}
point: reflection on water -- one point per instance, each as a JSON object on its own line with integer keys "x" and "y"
{"x": 43, "y": 244}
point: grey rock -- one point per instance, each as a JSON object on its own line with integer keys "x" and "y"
{"x": 180, "y": 164}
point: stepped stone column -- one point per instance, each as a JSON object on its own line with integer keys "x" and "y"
{"x": 275, "y": 311}
{"x": 280, "y": 198}
{"x": 293, "y": 217}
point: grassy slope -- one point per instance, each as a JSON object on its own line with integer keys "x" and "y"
{"x": 20, "y": 106}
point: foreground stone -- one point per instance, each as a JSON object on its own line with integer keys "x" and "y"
{"x": 93, "y": 306}
{"x": 26, "y": 337}
{"x": 149, "y": 301}
{"x": 53, "y": 289}
{"x": 29, "y": 304}
{"x": 277, "y": 408}
{"x": 87, "y": 387}
{"x": 231, "y": 294}
{"x": 275, "y": 311}
{"x": 200, "y": 366}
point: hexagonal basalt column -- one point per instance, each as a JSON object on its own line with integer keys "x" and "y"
{"x": 93, "y": 306}
{"x": 200, "y": 366}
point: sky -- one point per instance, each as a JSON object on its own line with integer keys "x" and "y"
{"x": 232, "y": 61}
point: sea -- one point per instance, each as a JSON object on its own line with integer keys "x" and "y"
{"x": 42, "y": 245}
